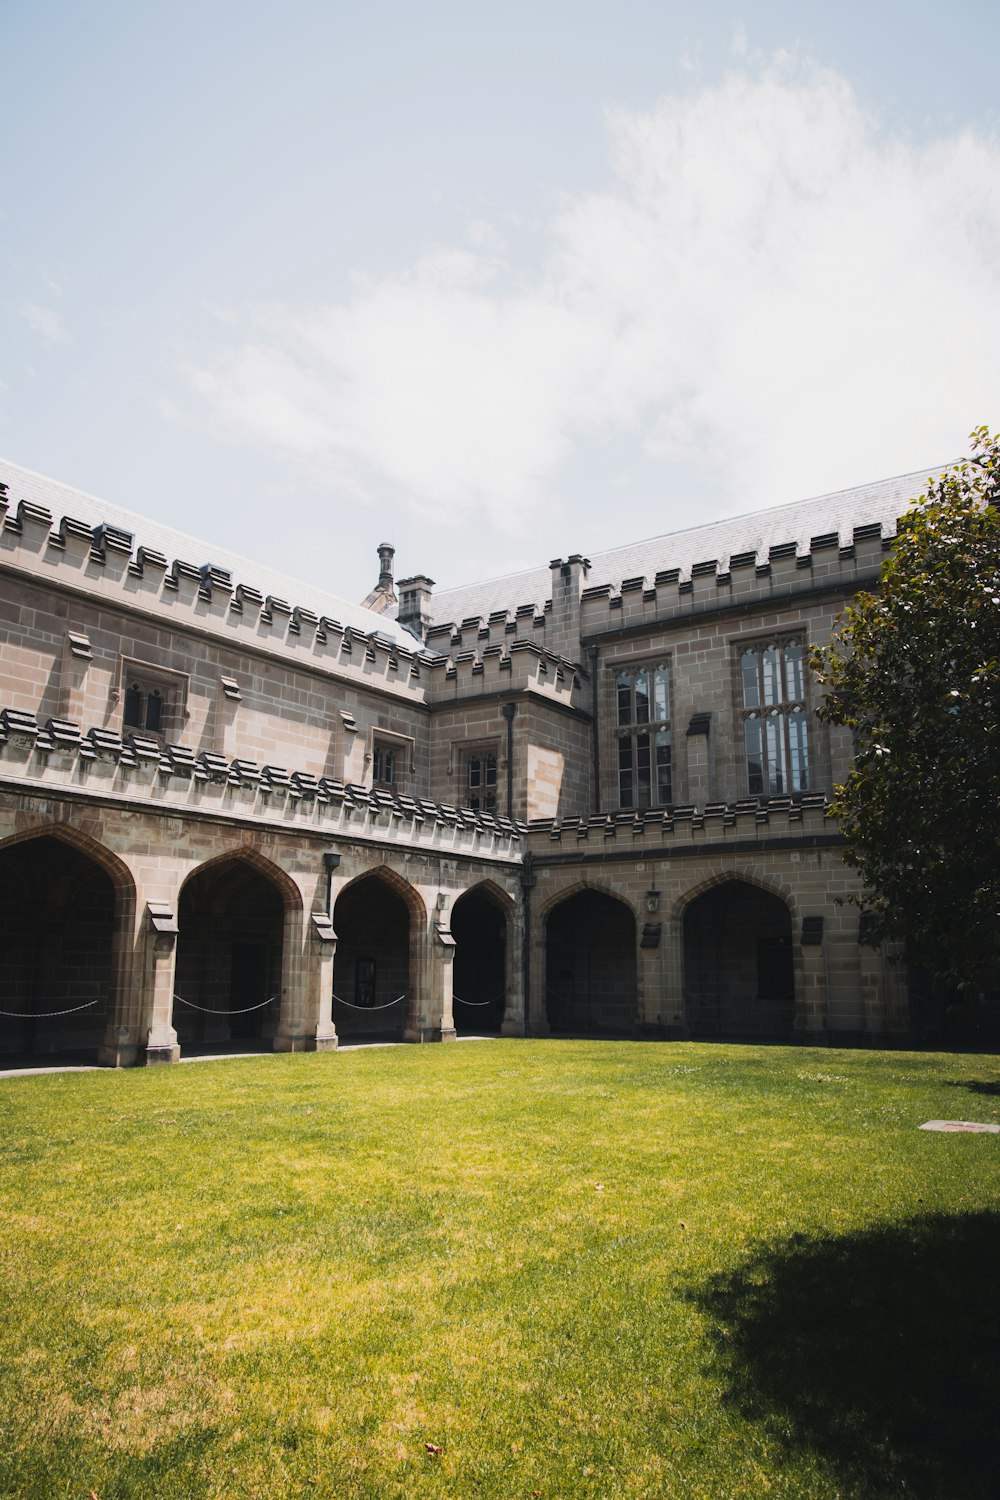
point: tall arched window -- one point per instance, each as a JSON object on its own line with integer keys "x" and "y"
{"x": 642, "y": 719}
{"x": 775, "y": 731}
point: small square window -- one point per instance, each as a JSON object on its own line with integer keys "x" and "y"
{"x": 144, "y": 708}
{"x": 152, "y": 700}
{"x": 481, "y": 781}
{"x": 385, "y": 766}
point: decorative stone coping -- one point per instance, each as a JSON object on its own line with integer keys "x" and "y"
{"x": 749, "y": 814}
{"x": 22, "y": 737}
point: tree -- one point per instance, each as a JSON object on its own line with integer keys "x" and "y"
{"x": 914, "y": 671}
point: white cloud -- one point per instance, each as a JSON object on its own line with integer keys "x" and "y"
{"x": 772, "y": 291}
{"x": 44, "y": 321}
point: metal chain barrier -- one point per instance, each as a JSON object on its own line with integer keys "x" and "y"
{"x": 496, "y": 998}
{"x": 44, "y": 1015}
{"x": 208, "y": 1011}
{"x": 388, "y": 1005}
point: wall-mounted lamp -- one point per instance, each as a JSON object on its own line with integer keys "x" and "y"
{"x": 330, "y": 861}
{"x": 652, "y": 901}
{"x": 442, "y": 900}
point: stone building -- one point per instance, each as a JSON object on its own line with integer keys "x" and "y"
{"x": 590, "y": 798}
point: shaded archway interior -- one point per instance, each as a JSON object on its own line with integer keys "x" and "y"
{"x": 590, "y": 966}
{"x": 479, "y": 976}
{"x": 230, "y": 921}
{"x": 371, "y": 977}
{"x": 57, "y": 937}
{"x": 739, "y": 976}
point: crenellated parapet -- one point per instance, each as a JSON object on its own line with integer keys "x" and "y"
{"x": 514, "y": 665}
{"x": 678, "y": 830}
{"x": 576, "y": 612}
{"x": 104, "y": 565}
{"x": 524, "y": 622}
{"x": 61, "y": 759}
{"x": 743, "y": 580}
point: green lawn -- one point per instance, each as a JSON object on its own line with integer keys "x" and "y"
{"x": 576, "y": 1268}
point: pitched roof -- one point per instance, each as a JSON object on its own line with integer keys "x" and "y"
{"x": 758, "y": 531}
{"x": 62, "y": 500}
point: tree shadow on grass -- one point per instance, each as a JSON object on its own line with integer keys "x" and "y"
{"x": 878, "y": 1351}
{"x": 975, "y": 1085}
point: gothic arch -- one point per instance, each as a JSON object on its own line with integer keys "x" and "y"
{"x": 239, "y": 920}
{"x": 67, "y": 927}
{"x": 578, "y": 886}
{"x": 381, "y": 922}
{"x": 112, "y": 864}
{"x": 591, "y": 971}
{"x": 398, "y": 883}
{"x": 766, "y": 883}
{"x": 741, "y": 967}
{"x": 290, "y": 894}
{"x": 494, "y": 892}
{"x": 482, "y": 925}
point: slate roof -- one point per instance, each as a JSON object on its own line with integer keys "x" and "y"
{"x": 759, "y": 531}
{"x": 62, "y": 500}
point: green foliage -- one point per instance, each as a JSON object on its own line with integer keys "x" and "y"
{"x": 914, "y": 673}
{"x": 576, "y": 1269}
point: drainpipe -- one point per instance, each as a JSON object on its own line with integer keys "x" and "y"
{"x": 595, "y": 728}
{"x": 509, "y": 710}
{"x": 330, "y": 862}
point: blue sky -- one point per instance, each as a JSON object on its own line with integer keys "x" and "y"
{"x": 493, "y": 283}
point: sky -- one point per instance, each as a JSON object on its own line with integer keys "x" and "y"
{"x": 495, "y": 284}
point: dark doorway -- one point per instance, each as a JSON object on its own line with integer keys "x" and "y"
{"x": 57, "y": 935}
{"x": 479, "y": 982}
{"x": 371, "y": 974}
{"x": 739, "y": 975}
{"x": 590, "y": 970}
{"x": 227, "y": 986}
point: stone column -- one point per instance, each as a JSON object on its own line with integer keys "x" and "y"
{"x": 676, "y": 1021}
{"x": 432, "y": 1019}
{"x": 306, "y": 1023}
{"x": 161, "y": 949}
{"x": 120, "y": 1047}
{"x": 650, "y": 966}
{"x": 533, "y": 955}
{"x": 513, "y": 1016}
{"x": 537, "y": 1018}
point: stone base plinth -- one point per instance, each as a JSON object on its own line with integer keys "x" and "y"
{"x": 118, "y": 1055}
{"x": 429, "y": 1034}
{"x": 166, "y": 1054}
{"x": 328, "y": 1043}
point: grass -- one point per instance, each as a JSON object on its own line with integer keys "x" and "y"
{"x": 577, "y": 1269}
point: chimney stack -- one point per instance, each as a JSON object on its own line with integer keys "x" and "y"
{"x": 383, "y": 595}
{"x": 415, "y": 604}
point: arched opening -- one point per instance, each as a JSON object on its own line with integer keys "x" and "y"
{"x": 739, "y": 974}
{"x": 58, "y": 916}
{"x": 479, "y": 984}
{"x": 590, "y": 968}
{"x": 227, "y": 984}
{"x": 371, "y": 972}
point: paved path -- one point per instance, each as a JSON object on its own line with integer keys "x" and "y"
{"x": 34, "y": 1072}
